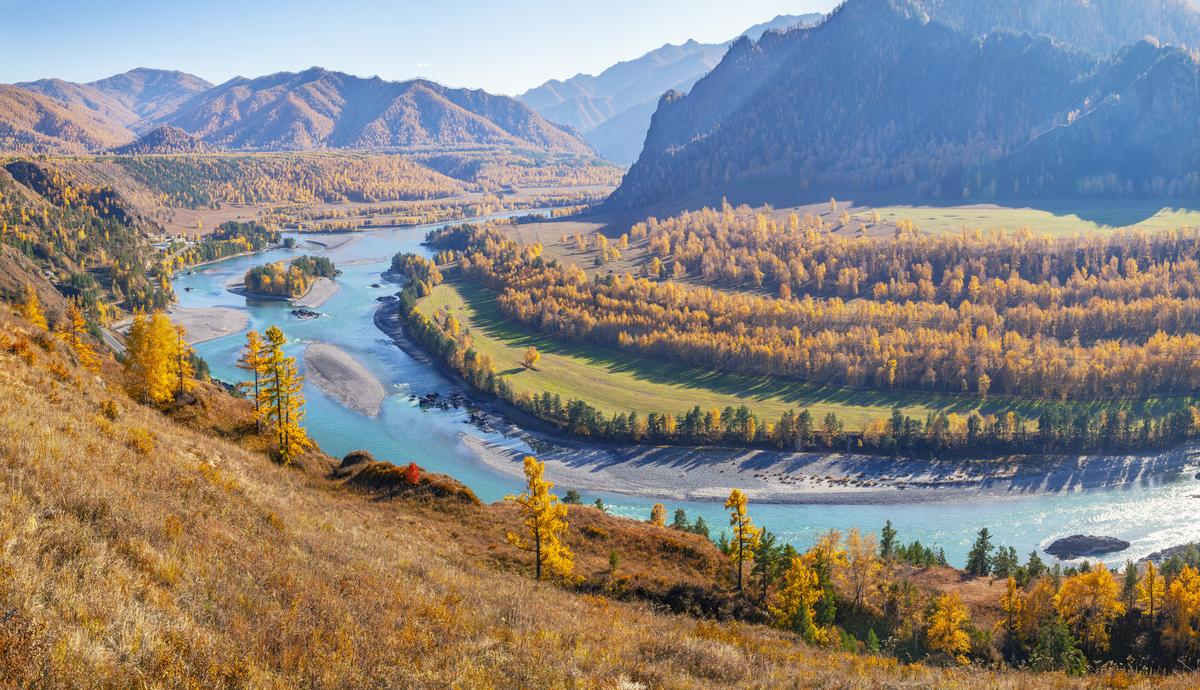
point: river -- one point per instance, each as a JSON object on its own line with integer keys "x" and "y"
{"x": 1152, "y": 515}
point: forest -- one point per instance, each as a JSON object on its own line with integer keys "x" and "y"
{"x": 288, "y": 280}
{"x": 834, "y": 335}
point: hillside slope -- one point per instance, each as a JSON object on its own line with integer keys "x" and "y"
{"x": 916, "y": 104}
{"x": 318, "y": 109}
{"x": 125, "y": 99}
{"x": 34, "y": 123}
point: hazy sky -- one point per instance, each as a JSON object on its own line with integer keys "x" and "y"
{"x": 503, "y": 46}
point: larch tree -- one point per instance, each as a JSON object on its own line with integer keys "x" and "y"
{"x": 282, "y": 399}
{"x": 74, "y": 333}
{"x": 946, "y": 623}
{"x": 745, "y": 534}
{"x": 658, "y": 515}
{"x": 862, "y": 564}
{"x": 797, "y": 601}
{"x": 184, "y": 371}
{"x": 1088, "y": 602}
{"x": 1151, "y": 589}
{"x": 545, "y": 521}
{"x": 1182, "y": 609}
{"x": 253, "y": 361}
{"x": 152, "y": 359}
{"x": 31, "y": 308}
{"x": 1012, "y": 603}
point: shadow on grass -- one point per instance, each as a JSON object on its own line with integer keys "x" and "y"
{"x": 486, "y": 317}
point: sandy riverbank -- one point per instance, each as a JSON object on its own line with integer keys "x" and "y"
{"x": 341, "y": 377}
{"x": 708, "y": 474}
{"x": 318, "y": 294}
{"x": 209, "y": 323}
{"x": 332, "y": 242}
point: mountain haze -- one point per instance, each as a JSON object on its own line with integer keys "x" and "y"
{"x": 612, "y": 109}
{"x": 881, "y": 97}
{"x": 1101, "y": 26}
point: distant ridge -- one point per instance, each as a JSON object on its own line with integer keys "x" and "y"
{"x": 612, "y": 109}
{"x": 314, "y": 109}
{"x": 920, "y": 106}
{"x": 318, "y": 108}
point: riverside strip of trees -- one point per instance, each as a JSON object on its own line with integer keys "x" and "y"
{"x": 920, "y": 312}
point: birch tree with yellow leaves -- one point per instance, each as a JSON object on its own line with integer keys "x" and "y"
{"x": 545, "y": 521}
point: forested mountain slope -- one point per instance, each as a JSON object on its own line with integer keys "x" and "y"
{"x": 881, "y": 97}
{"x": 1102, "y": 26}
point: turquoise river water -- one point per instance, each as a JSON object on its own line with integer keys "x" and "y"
{"x": 1152, "y": 515}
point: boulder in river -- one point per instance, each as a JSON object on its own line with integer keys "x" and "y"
{"x": 1080, "y": 546}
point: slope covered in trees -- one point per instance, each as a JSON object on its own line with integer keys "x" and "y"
{"x": 1030, "y": 319}
{"x": 920, "y": 106}
{"x": 1101, "y": 26}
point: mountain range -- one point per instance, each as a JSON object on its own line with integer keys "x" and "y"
{"x": 883, "y": 96}
{"x": 313, "y": 109}
{"x": 612, "y": 109}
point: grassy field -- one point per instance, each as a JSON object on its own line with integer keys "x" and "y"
{"x": 1052, "y": 218}
{"x": 616, "y": 381}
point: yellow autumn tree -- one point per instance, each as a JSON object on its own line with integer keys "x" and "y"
{"x": 658, "y": 515}
{"x": 1088, "y": 602}
{"x": 1182, "y": 609}
{"x": 281, "y": 397}
{"x": 745, "y": 534}
{"x": 1012, "y": 603}
{"x": 545, "y": 521}
{"x": 1151, "y": 589}
{"x": 253, "y": 361}
{"x": 532, "y": 357}
{"x": 31, "y": 308}
{"x": 152, "y": 359}
{"x": 946, "y": 623}
{"x": 862, "y": 564}
{"x": 797, "y": 601}
{"x": 184, "y": 372}
{"x": 74, "y": 333}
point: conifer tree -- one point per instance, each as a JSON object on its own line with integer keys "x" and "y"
{"x": 74, "y": 333}
{"x": 745, "y": 534}
{"x": 31, "y": 309}
{"x": 658, "y": 515}
{"x": 946, "y": 633}
{"x": 1151, "y": 590}
{"x": 253, "y": 361}
{"x": 152, "y": 359}
{"x": 281, "y": 397}
{"x": 545, "y": 521}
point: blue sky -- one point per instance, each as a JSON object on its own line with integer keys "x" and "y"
{"x": 505, "y": 47}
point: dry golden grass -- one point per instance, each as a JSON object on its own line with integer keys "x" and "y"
{"x": 189, "y": 561}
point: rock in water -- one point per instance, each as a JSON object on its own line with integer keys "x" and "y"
{"x": 1080, "y": 546}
